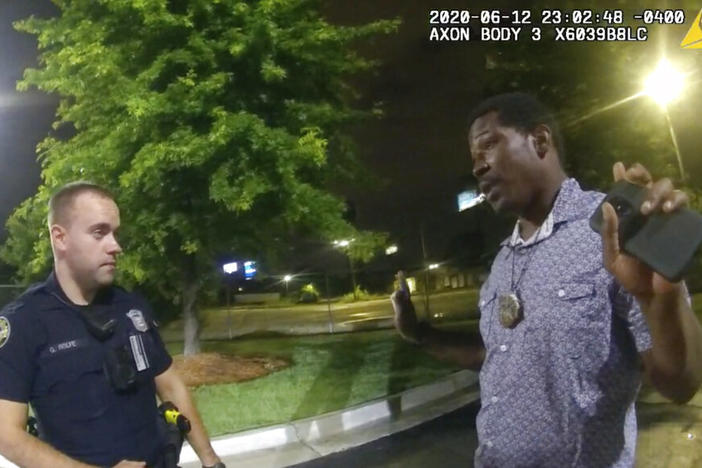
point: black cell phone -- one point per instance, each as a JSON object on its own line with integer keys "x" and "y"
{"x": 666, "y": 242}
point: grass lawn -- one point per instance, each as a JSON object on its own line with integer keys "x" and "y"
{"x": 327, "y": 373}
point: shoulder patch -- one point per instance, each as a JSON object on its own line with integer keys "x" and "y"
{"x": 4, "y": 331}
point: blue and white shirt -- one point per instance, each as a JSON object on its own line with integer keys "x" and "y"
{"x": 558, "y": 389}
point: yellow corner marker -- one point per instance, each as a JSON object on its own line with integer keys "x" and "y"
{"x": 693, "y": 38}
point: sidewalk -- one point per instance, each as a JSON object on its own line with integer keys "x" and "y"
{"x": 670, "y": 435}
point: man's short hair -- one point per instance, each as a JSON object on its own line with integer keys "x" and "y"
{"x": 522, "y": 112}
{"x": 62, "y": 200}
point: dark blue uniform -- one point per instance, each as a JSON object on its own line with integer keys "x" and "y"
{"x": 49, "y": 358}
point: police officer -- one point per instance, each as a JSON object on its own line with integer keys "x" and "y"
{"x": 86, "y": 354}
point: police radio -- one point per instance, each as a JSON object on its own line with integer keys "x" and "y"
{"x": 119, "y": 364}
{"x": 120, "y": 370}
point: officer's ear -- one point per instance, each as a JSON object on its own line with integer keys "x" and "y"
{"x": 58, "y": 236}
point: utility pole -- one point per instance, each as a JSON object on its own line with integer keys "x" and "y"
{"x": 229, "y": 306}
{"x": 426, "y": 271}
{"x": 329, "y": 309}
{"x": 353, "y": 277}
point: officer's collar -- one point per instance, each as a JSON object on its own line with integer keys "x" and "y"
{"x": 53, "y": 286}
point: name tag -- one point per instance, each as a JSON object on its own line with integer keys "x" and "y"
{"x": 63, "y": 347}
{"x": 140, "y": 358}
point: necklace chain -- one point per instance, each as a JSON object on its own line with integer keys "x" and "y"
{"x": 513, "y": 286}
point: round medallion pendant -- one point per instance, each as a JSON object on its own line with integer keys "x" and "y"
{"x": 510, "y": 310}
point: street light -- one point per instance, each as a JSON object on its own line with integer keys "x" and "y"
{"x": 230, "y": 268}
{"x": 344, "y": 243}
{"x": 433, "y": 266}
{"x": 287, "y": 279}
{"x": 392, "y": 249}
{"x": 664, "y": 85}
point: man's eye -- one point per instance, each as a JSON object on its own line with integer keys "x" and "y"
{"x": 98, "y": 234}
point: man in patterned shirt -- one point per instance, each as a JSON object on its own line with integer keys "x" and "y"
{"x": 569, "y": 323}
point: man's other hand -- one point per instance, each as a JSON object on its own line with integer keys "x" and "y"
{"x": 405, "y": 317}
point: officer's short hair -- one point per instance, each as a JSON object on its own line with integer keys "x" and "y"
{"x": 62, "y": 200}
{"x": 521, "y": 111}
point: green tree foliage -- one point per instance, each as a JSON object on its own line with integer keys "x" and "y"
{"x": 219, "y": 125}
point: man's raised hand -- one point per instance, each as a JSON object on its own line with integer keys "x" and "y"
{"x": 405, "y": 316}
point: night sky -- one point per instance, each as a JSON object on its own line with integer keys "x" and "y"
{"x": 25, "y": 118}
{"x": 419, "y": 149}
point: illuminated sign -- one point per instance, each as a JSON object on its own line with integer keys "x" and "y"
{"x": 249, "y": 269}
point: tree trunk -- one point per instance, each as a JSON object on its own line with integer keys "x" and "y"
{"x": 191, "y": 320}
{"x": 353, "y": 278}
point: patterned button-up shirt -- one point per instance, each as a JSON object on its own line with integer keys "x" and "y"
{"x": 558, "y": 389}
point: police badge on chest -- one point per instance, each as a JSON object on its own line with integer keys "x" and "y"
{"x": 138, "y": 320}
{"x": 136, "y": 342}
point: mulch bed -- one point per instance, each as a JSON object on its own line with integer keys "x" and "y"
{"x": 216, "y": 368}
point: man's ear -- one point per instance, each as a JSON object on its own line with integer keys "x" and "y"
{"x": 541, "y": 140}
{"x": 58, "y": 236}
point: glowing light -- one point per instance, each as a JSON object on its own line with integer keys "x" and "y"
{"x": 230, "y": 268}
{"x": 287, "y": 278}
{"x": 249, "y": 269}
{"x": 343, "y": 242}
{"x": 391, "y": 250}
{"x": 665, "y": 83}
{"x": 433, "y": 266}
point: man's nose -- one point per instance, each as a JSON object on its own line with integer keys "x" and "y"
{"x": 114, "y": 248}
{"x": 480, "y": 168}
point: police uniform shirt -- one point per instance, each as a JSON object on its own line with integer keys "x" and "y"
{"x": 49, "y": 359}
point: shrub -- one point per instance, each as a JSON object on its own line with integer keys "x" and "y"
{"x": 308, "y": 293}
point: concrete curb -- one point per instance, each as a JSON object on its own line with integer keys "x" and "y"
{"x": 306, "y": 439}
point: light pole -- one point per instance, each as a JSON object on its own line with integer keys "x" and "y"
{"x": 344, "y": 245}
{"x": 664, "y": 85}
{"x": 229, "y": 269}
{"x": 286, "y": 279}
